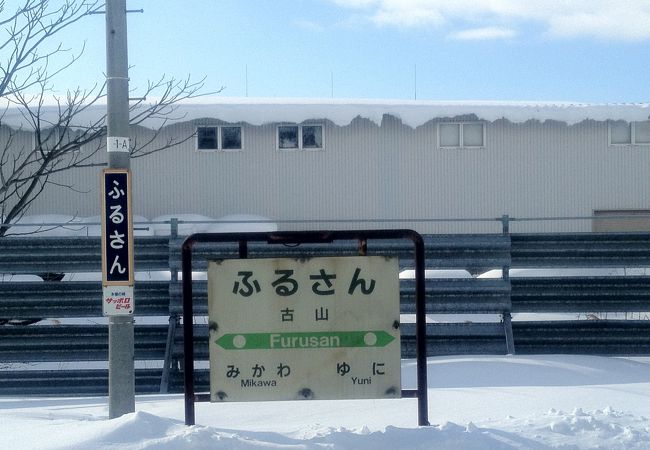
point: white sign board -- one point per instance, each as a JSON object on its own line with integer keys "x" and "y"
{"x": 118, "y": 144}
{"x": 118, "y": 300}
{"x": 319, "y": 328}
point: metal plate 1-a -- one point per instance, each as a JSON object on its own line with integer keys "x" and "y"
{"x": 317, "y": 328}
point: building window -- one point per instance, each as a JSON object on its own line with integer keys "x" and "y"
{"x": 312, "y": 136}
{"x": 207, "y": 138}
{"x": 231, "y": 138}
{"x": 300, "y": 137}
{"x": 288, "y": 137}
{"x": 226, "y": 138}
{"x": 449, "y": 134}
{"x": 632, "y": 133}
{"x": 461, "y": 135}
{"x": 642, "y": 132}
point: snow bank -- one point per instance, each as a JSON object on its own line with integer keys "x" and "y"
{"x": 59, "y": 225}
{"x": 409, "y": 274}
{"x": 161, "y": 275}
{"x": 514, "y": 402}
{"x": 196, "y": 223}
{"x": 258, "y": 111}
{"x": 19, "y": 278}
{"x": 240, "y": 223}
{"x": 141, "y": 226}
{"x": 576, "y": 272}
{"x": 62, "y": 225}
{"x": 48, "y": 225}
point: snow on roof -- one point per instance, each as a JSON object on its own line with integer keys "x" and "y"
{"x": 259, "y": 111}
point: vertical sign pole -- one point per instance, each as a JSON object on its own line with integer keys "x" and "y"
{"x": 188, "y": 331}
{"x": 421, "y": 332}
{"x": 121, "y": 373}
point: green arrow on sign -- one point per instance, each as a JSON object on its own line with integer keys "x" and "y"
{"x": 316, "y": 339}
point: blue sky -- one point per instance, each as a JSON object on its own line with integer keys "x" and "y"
{"x": 579, "y": 50}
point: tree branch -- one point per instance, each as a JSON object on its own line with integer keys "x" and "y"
{"x": 61, "y": 143}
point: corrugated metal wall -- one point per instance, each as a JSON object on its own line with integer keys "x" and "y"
{"x": 390, "y": 171}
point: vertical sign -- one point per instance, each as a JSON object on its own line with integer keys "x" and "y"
{"x": 117, "y": 243}
{"x": 318, "y": 328}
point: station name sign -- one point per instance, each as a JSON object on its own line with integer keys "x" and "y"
{"x": 318, "y": 328}
{"x": 117, "y": 242}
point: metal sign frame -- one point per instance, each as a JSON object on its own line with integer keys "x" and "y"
{"x": 296, "y": 238}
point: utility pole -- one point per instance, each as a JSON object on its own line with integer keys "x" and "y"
{"x": 121, "y": 372}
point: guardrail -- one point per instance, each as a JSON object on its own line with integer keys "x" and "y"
{"x": 61, "y": 348}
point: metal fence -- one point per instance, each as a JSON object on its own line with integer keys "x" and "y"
{"x": 46, "y": 358}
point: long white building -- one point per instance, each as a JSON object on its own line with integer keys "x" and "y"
{"x": 365, "y": 164}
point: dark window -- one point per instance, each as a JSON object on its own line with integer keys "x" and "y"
{"x": 312, "y": 136}
{"x": 206, "y": 138}
{"x": 231, "y": 138}
{"x": 288, "y": 137}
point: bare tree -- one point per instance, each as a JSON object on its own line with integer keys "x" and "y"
{"x": 29, "y": 60}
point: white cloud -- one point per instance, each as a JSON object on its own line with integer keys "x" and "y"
{"x": 408, "y": 17}
{"x": 616, "y": 24}
{"x": 482, "y": 34}
{"x": 606, "y": 19}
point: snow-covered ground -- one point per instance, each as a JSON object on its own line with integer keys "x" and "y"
{"x": 486, "y": 402}
{"x": 48, "y": 225}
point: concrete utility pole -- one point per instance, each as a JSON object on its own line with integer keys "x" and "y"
{"x": 121, "y": 372}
